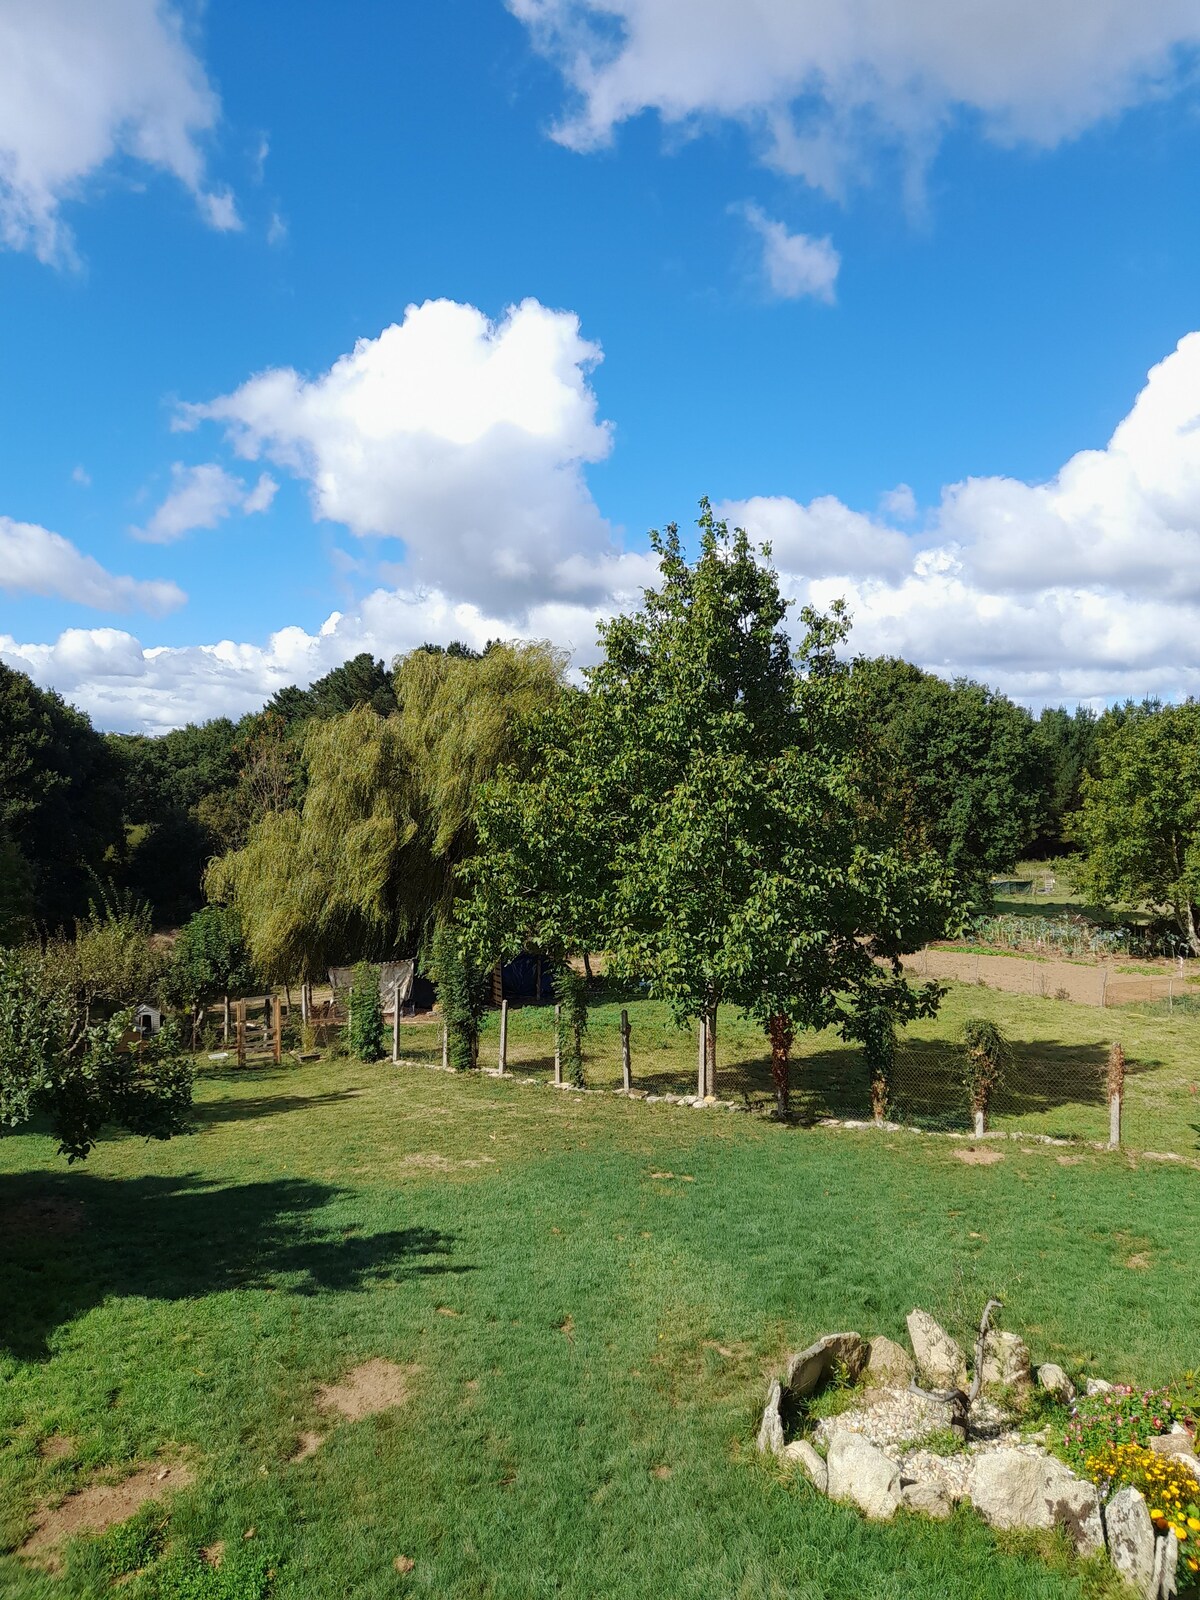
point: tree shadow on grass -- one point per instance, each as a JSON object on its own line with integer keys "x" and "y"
{"x": 253, "y": 1108}
{"x": 71, "y": 1241}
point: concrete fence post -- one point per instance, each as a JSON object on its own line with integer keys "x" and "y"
{"x": 503, "y": 1063}
{"x": 1116, "y": 1094}
{"x": 395, "y": 1021}
{"x": 558, "y": 1047}
{"x": 445, "y": 1046}
{"x": 626, "y": 1061}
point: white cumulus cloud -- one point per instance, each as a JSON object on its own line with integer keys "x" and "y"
{"x": 82, "y": 81}
{"x": 822, "y": 81}
{"x": 467, "y": 439}
{"x": 35, "y": 561}
{"x": 200, "y": 497}
{"x": 794, "y": 264}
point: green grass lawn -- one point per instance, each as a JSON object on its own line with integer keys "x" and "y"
{"x": 593, "y": 1292}
{"x": 1056, "y": 1085}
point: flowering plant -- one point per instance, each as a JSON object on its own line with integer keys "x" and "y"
{"x": 1172, "y": 1492}
{"x": 1125, "y": 1416}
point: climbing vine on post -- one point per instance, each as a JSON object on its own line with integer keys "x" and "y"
{"x": 462, "y": 994}
{"x": 988, "y": 1057}
{"x": 366, "y": 1013}
{"x": 570, "y": 991}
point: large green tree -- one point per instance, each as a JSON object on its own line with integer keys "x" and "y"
{"x": 698, "y": 813}
{"x": 60, "y": 806}
{"x": 1066, "y": 741}
{"x": 1140, "y": 820}
{"x": 957, "y": 765}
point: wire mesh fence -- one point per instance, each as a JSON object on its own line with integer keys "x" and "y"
{"x": 1048, "y": 1088}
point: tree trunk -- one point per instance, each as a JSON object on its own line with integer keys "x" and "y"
{"x": 879, "y": 1094}
{"x": 1189, "y": 923}
{"x": 227, "y": 1021}
{"x": 781, "y": 1044}
{"x": 587, "y": 966}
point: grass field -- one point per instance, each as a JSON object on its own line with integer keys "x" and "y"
{"x": 587, "y": 1295}
{"x": 1056, "y": 1085}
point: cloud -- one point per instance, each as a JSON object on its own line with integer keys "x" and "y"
{"x": 35, "y": 561}
{"x": 1087, "y": 585}
{"x": 201, "y": 497}
{"x": 465, "y": 438}
{"x": 82, "y": 82}
{"x": 795, "y": 264}
{"x": 823, "y": 82}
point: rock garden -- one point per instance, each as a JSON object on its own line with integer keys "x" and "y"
{"x": 885, "y": 1428}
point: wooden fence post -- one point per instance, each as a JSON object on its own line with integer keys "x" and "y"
{"x": 241, "y": 1033}
{"x": 503, "y": 1036}
{"x": 277, "y": 1036}
{"x": 1116, "y": 1094}
{"x": 702, "y": 1061}
{"x": 1104, "y": 989}
{"x": 626, "y": 1061}
{"x": 445, "y": 1046}
{"x": 557, "y": 1047}
{"x": 395, "y": 1021}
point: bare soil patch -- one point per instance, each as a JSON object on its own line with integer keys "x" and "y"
{"x": 979, "y": 1158}
{"x": 99, "y": 1507}
{"x": 307, "y": 1445}
{"x": 374, "y": 1386}
{"x": 213, "y": 1555}
{"x": 56, "y": 1447}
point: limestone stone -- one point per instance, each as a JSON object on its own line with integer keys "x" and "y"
{"x": 1055, "y": 1382}
{"x": 1131, "y": 1540}
{"x": 1095, "y": 1386}
{"x": 770, "y": 1430}
{"x": 862, "y": 1475}
{"x": 1013, "y": 1490}
{"x": 808, "y": 1370}
{"x": 930, "y": 1499}
{"x": 809, "y": 1462}
{"x": 1006, "y": 1363}
{"x": 1166, "y": 1566}
{"x": 939, "y": 1361}
{"x": 888, "y": 1363}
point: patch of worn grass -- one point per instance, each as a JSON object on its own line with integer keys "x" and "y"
{"x": 584, "y": 1423}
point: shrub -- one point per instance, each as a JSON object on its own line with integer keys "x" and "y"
{"x": 570, "y": 991}
{"x": 366, "y": 1014}
{"x": 988, "y": 1057}
{"x": 462, "y": 994}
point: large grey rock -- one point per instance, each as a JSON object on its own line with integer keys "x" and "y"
{"x": 1131, "y": 1540}
{"x": 930, "y": 1499}
{"x": 1006, "y": 1364}
{"x": 770, "y": 1430}
{"x": 888, "y": 1364}
{"x": 939, "y": 1361}
{"x": 1178, "y": 1445}
{"x": 808, "y": 1370}
{"x": 1056, "y": 1383}
{"x": 1166, "y": 1565}
{"x": 862, "y": 1475}
{"x": 1013, "y": 1490}
{"x": 809, "y": 1462}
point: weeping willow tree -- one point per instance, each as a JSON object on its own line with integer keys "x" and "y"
{"x": 368, "y": 865}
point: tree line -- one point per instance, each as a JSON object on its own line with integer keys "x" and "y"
{"x": 734, "y": 810}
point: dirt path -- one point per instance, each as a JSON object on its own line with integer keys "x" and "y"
{"x": 1100, "y": 984}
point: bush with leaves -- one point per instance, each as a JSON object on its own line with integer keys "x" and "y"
{"x": 988, "y": 1058}
{"x": 83, "y": 1076}
{"x": 209, "y": 961}
{"x": 570, "y": 991}
{"x": 462, "y": 988}
{"x": 366, "y": 1013}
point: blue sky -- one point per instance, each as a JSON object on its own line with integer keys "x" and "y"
{"x": 886, "y": 281}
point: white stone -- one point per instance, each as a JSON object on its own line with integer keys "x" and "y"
{"x": 1006, "y": 1363}
{"x": 862, "y": 1475}
{"x": 939, "y": 1361}
{"x": 1056, "y": 1383}
{"x": 809, "y": 1462}
{"x": 1013, "y": 1490}
{"x": 930, "y": 1499}
{"x": 1095, "y": 1386}
{"x": 888, "y": 1363}
{"x": 808, "y": 1370}
{"x": 1131, "y": 1540}
{"x": 770, "y": 1430}
{"x": 1166, "y": 1565}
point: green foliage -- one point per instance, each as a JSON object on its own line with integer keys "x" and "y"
{"x": 134, "y": 1544}
{"x": 958, "y": 767}
{"x": 698, "y": 812}
{"x": 1122, "y": 1416}
{"x": 59, "y": 798}
{"x": 361, "y": 681}
{"x": 366, "y": 1014}
{"x": 462, "y": 987}
{"x": 83, "y": 1077}
{"x": 571, "y": 994}
{"x": 210, "y": 959}
{"x": 1066, "y": 742}
{"x": 989, "y": 1056}
{"x": 240, "y": 1576}
{"x": 16, "y": 893}
{"x": 1140, "y": 820}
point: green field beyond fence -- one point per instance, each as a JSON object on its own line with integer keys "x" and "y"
{"x": 1056, "y": 1085}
